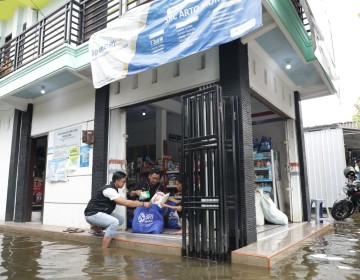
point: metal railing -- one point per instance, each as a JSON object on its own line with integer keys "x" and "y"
{"x": 72, "y": 24}
{"x": 58, "y": 28}
{"x": 301, "y": 13}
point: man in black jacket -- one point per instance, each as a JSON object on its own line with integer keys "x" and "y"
{"x": 99, "y": 211}
{"x": 146, "y": 189}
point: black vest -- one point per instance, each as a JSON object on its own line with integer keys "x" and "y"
{"x": 100, "y": 203}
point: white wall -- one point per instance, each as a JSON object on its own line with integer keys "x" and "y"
{"x": 68, "y": 106}
{"x": 269, "y": 82}
{"x": 64, "y": 202}
{"x": 191, "y": 76}
{"x": 6, "y": 129}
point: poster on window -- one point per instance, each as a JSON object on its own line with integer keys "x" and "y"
{"x": 56, "y": 170}
{"x": 162, "y": 31}
{"x": 84, "y": 156}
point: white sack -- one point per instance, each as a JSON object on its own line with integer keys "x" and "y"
{"x": 260, "y": 219}
{"x": 271, "y": 213}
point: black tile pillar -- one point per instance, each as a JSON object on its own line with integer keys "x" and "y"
{"x": 22, "y": 188}
{"x": 14, "y": 161}
{"x": 234, "y": 80}
{"x": 101, "y": 130}
{"x": 305, "y": 196}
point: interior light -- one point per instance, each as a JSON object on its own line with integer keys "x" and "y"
{"x": 42, "y": 91}
{"x": 143, "y": 112}
{"x": 288, "y": 65}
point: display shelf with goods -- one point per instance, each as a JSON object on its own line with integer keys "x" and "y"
{"x": 168, "y": 167}
{"x": 170, "y": 171}
{"x": 264, "y": 172}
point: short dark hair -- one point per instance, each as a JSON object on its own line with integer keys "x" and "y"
{"x": 117, "y": 175}
{"x": 155, "y": 171}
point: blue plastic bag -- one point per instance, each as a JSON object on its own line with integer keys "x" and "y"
{"x": 265, "y": 144}
{"x": 173, "y": 221}
{"x": 148, "y": 220}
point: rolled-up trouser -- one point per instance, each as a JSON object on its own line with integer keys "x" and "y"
{"x": 110, "y": 222}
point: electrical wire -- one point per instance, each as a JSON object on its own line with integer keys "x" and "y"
{"x": 37, "y": 8}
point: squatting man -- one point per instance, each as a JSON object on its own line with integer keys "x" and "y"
{"x": 99, "y": 212}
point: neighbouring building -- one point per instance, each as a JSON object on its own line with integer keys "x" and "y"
{"x": 329, "y": 149}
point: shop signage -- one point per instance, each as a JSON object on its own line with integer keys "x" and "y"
{"x": 161, "y": 31}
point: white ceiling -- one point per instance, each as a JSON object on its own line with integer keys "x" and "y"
{"x": 260, "y": 112}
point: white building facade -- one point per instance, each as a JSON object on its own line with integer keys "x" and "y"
{"x": 67, "y": 142}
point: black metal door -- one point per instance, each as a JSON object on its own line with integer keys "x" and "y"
{"x": 202, "y": 165}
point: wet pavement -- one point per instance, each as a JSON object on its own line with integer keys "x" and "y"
{"x": 334, "y": 255}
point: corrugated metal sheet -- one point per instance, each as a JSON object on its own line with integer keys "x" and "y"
{"x": 325, "y": 156}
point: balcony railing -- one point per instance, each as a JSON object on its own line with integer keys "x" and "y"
{"x": 301, "y": 13}
{"x": 72, "y": 24}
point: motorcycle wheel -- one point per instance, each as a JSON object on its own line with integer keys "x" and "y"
{"x": 342, "y": 209}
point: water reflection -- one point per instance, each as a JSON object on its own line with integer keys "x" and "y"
{"x": 334, "y": 255}
{"x": 127, "y": 264}
{"x": 19, "y": 257}
{"x": 331, "y": 256}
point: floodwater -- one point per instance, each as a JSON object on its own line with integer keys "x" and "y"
{"x": 334, "y": 255}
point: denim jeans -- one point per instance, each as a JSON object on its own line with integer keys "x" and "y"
{"x": 110, "y": 222}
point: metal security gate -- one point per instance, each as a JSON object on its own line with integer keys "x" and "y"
{"x": 202, "y": 164}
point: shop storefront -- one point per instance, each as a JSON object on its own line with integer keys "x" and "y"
{"x": 224, "y": 116}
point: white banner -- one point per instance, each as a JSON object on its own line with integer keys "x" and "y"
{"x": 161, "y": 31}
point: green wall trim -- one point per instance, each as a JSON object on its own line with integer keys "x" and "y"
{"x": 287, "y": 14}
{"x": 75, "y": 54}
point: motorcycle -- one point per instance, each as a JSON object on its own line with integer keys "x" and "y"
{"x": 344, "y": 207}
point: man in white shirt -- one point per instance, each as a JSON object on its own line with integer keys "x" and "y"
{"x": 99, "y": 211}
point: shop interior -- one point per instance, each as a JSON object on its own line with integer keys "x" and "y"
{"x": 143, "y": 152}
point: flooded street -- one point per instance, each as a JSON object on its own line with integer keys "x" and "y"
{"x": 334, "y": 255}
